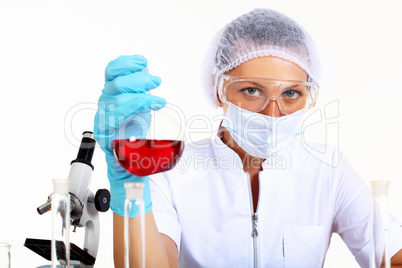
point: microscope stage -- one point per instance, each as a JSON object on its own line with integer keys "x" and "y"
{"x": 43, "y": 248}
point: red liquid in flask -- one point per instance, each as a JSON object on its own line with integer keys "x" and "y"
{"x": 144, "y": 157}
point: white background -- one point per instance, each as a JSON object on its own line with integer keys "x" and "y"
{"x": 52, "y": 60}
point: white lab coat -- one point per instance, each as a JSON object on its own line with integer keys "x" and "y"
{"x": 204, "y": 204}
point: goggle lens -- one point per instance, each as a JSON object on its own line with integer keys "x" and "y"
{"x": 254, "y": 93}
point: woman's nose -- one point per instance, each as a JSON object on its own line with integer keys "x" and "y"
{"x": 272, "y": 109}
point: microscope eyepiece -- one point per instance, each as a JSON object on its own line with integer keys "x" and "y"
{"x": 87, "y": 149}
{"x": 88, "y": 134}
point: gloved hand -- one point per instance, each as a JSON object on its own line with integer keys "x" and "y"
{"x": 124, "y": 111}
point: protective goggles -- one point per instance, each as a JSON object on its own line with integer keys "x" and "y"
{"x": 255, "y": 93}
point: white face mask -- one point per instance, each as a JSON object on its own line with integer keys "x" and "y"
{"x": 258, "y": 134}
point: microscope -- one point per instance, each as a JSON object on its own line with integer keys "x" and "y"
{"x": 85, "y": 208}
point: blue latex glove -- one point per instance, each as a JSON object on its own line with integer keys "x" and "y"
{"x": 124, "y": 111}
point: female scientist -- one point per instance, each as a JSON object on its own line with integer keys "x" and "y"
{"x": 245, "y": 209}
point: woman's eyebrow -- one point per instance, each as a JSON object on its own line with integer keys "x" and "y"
{"x": 254, "y": 83}
{"x": 296, "y": 86}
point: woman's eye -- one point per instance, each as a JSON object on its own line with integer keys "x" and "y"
{"x": 292, "y": 93}
{"x": 250, "y": 90}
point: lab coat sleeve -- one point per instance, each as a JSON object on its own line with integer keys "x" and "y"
{"x": 163, "y": 208}
{"x": 352, "y": 211}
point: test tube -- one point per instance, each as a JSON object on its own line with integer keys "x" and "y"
{"x": 5, "y": 258}
{"x": 381, "y": 220}
{"x": 134, "y": 202}
{"x": 60, "y": 244}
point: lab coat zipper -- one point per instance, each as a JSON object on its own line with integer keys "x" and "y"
{"x": 254, "y": 220}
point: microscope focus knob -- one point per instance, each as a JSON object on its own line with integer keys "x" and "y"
{"x": 102, "y": 200}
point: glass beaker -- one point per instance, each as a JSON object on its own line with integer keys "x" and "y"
{"x": 134, "y": 244}
{"x": 60, "y": 244}
{"x": 381, "y": 221}
{"x": 5, "y": 255}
